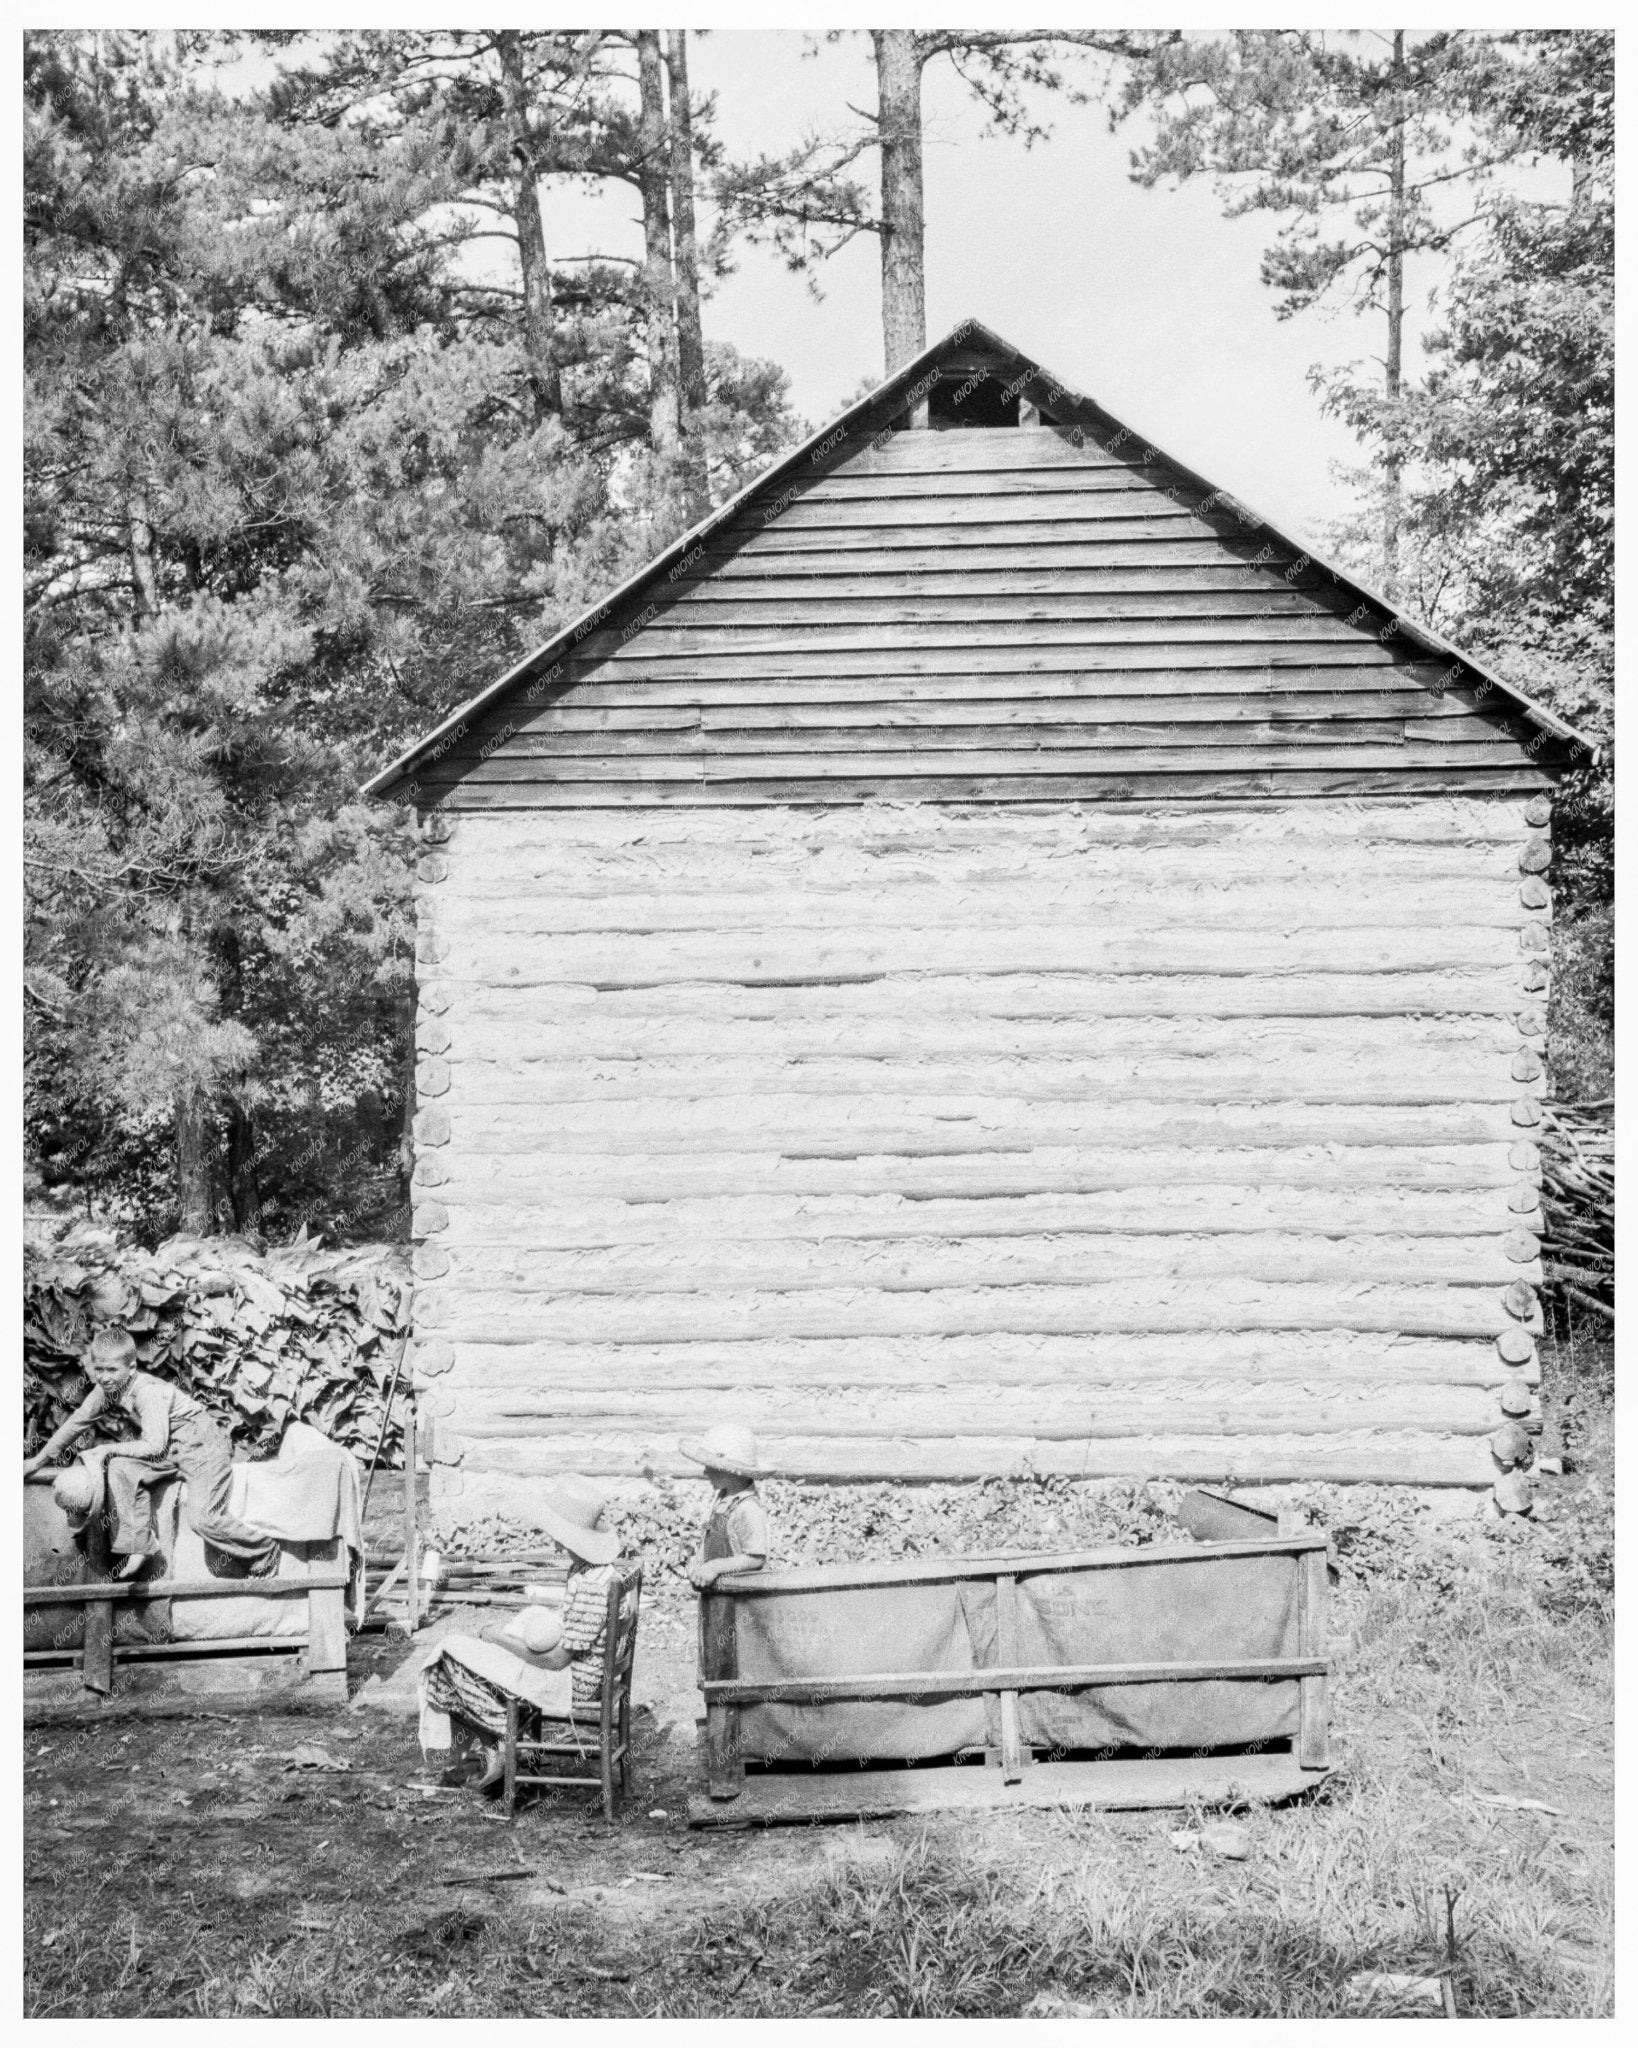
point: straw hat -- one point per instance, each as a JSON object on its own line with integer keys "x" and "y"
{"x": 535, "y": 1632}
{"x": 573, "y": 1513}
{"x": 77, "y": 1490}
{"x": 726, "y": 1447}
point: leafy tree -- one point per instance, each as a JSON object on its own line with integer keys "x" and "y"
{"x": 1511, "y": 445}
{"x": 1490, "y": 484}
{"x": 511, "y": 109}
{"x": 295, "y": 480}
{"x": 1509, "y": 439}
{"x": 1365, "y": 148}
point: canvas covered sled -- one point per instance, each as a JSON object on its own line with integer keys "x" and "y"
{"x": 1135, "y": 1676}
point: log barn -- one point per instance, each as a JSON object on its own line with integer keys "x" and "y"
{"x": 984, "y": 957}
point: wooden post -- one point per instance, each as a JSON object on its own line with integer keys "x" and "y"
{"x": 1313, "y": 1751}
{"x": 724, "y": 1767}
{"x": 412, "y": 1561}
{"x": 325, "y": 1658}
{"x": 97, "y": 1642}
{"x": 1006, "y": 1653}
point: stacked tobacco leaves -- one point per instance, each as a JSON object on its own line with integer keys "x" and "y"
{"x": 260, "y": 1338}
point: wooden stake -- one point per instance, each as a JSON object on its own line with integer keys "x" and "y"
{"x": 724, "y": 1768}
{"x": 412, "y": 1558}
{"x": 97, "y": 1651}
{"x": 326, "y": 1650}
{"x": 1313, "y": 1751}
{"x": 1006, "y": 1652}
{"x": 383, "y": 1589}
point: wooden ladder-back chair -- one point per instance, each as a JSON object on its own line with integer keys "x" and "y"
{"x": 532, "y": 1740}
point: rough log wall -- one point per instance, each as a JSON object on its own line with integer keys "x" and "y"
{"x": 934, "y": 1142}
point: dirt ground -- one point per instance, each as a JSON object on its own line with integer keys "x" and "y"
{"x": 300, "y": 1864}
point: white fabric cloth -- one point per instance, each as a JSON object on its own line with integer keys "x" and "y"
{"x": 309, "y": 1493}
{"x": 551, "y": 1691}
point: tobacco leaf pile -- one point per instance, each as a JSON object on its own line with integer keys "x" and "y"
{"x": 833, "y": 1524}
{"x": 258, "y": 1337}
{"x": 1379, "y": 1536}
{"x": 1578, "y": 1202}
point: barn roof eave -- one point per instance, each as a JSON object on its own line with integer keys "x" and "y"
{"x": 443, "y": 735}
{"x": 389, "y": 782}
{"x": 1420, "y": 635}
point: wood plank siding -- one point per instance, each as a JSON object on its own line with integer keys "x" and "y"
{"x": 985, "y": 957}
{"x": 986, "y": 614}
{"x": 936, "y": 1140}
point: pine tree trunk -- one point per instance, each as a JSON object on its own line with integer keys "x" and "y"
{"x": 192, "y": 1163}
{"x": 539, "y": 319}
{"x": 244, "y": 1201}
{"x": 140, "y": 542}
{"x": 244, "y": 1188}
{"x": 659, "y": 304}
{"x": 1393, "y": 469}
{"x": 904, "y": 286}
{"x": 690, "y": 336}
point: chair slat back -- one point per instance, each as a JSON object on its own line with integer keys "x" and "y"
{"x": 620, "y": 1637}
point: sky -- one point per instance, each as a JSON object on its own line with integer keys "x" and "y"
{"x": 1147, "y": 301}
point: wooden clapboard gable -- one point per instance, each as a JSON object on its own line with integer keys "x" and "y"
{"x": 995, "y": 613}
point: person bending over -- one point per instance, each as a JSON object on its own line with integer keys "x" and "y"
{"x": 174, "y": 1434}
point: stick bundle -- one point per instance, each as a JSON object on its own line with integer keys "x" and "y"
{"x": 1578, "y": 1202}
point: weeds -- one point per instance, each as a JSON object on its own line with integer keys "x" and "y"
{"x": 1471, "y": 1661}
{"x": 943, "y": 1934}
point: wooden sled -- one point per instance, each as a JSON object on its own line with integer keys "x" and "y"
{"x": 99, "y": 1679}
{"x": 1176, "y": 1673}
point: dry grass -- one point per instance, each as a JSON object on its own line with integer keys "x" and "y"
{"x": 1114, "y": 1918}
{"x": 1437, "y": 1698}
{"x": 1471, "y": 1665}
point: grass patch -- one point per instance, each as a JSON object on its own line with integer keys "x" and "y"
{"x": 178, "y": 1870}
{"x": 1444, "y": 1697}
{"x": 945, "y": 1933}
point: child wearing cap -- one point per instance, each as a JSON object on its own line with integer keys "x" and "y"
{"x": 735, "y": 1536}
{"x": 174, "y": 1434}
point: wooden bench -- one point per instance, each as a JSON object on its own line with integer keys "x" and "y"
{"x": 532, "y": 1740}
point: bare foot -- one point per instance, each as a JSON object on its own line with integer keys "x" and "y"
{"x": 133, "y": 1564}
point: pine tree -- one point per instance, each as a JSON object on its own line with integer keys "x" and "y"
{"x": 1512, "y": 436}
{"x": 807, "y": 204}
{"x": 294, "y": 483}
{"x": 1366, "y": 148}
{"x": 1507, "y": 445}
{"x": 691, "y": 384}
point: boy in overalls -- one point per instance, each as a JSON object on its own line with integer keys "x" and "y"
{"x": 735, "y": 1537}
{"x": 174, "y": 1434}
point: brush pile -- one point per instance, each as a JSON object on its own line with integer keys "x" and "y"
{"x": 1578, "y": 1202}
{"x": 260, "y": 1338}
